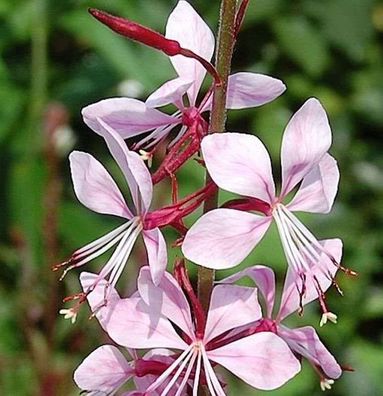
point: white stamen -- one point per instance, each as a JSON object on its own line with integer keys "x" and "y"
{"x": 170, "y": 369}
{"x": 326, "y": 384}
{"x": 94, "y": 245}
{"x": 211, "y": 377}
{"x": 286, "y": 242}
{"x": 159, "y": 133}
{"x": 328, "y": 316}
{"x": 69, "y": 314}
{"x": 178, "y": 373}
{"x": 187, "y": 373}
{"x": 146, "y": 156}
{"x": 300, "y": 245}
{"x": 197, "y": 375}
{"x": 119, "y": 266}
{"x": 310, "y": 239}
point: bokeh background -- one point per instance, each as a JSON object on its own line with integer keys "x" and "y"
{"x": 55, "y": 59}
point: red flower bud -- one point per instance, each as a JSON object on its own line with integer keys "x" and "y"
{"x": 137, "y": 32}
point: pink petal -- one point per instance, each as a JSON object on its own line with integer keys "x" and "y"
{"x": 189, "y": 29}
{"x": 167, "y": 299}
{"x": 104, "y": 370}
{"x": 264, "y": 278}
{"x": 131, "y": 324}
{"x": 306, "y": 342}
{"x": 318, "y": 189}
{"x": 290, "y": 296}
{"x": 170, "y": 92}
{"x": 239, "y": 163}
{"x": 128, "y": 117}
{"x": 157, "y": 254}
{"x": 222, "y": 238}
{"x": 263, "y": 360}
{"x": 306, "y": 140}
{"x": 96, "y": 298}
{"x": 94, "y": 187}
{"x": 231, "y": 306}
{"x": 132, "y": 166}
{"x": 252, "y": 90}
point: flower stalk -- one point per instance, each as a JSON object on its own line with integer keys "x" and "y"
{"x": 224, "y": 52}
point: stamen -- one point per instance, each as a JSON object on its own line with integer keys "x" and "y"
{"x": 211, "y": 377}
{"x": 170, "y": 369}
{"x": 302, "y": 293}
{"x": 347, "y": 271}
{"x": 328, "y": 316}
{"x": 336, "y": 285}
{"x": 305, "y": 245}
{"x": 146, "y": 156}
{"x": 93, "y": 249}
{"x": 120, "y": 265}
{"x": 94, "y": 245}
{"x": 312, "y": 242}
{"x": 159, "y": 134}
{"x": 179, "y": 371}
{"x": 197, "y": 375}
{"x": 294, "y": 258}
{"x": 326, "y": 383}
{"x": 70, "y": 313}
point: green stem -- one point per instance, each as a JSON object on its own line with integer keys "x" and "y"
{"x": 39, "y": 67}
{"x": 224, "y": 52}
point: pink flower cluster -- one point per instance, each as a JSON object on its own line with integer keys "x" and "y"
{"x": 174, "y": 345}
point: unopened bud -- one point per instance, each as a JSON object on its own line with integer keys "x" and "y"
{"x": 137, "y": 32}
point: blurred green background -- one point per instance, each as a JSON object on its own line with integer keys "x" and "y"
{"x": 55, "y": 59}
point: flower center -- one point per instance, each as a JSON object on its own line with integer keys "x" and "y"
{"x": 189, "y": 115}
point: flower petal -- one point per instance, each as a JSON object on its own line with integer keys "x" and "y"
{"x": 96, "y": 298}
{"x": 170, "y": 92}
{"x": 222, "y": 238}
{"x": 166, "y": 299}
{"x": 252, "y": 90}
{"x": 94, "y": 187}
{"x": 305, "y": 341}
{"x": 104, "y": 370}
{"x": 190, "y": 30}
{"x": 231, "y": 306}
{"x": 132, "y": 324}
{"x": 128, "y": 117}
{"x": 263, "y": 360}
{"x": 239, "y": 163}
{"x": 132, "y": 166}
{"x": 318, "y": 189}
{"x": 306, "y": 139}
{"x": 157, "y": 254}
{"x": 264, "y": 278}
{"x": 290, "y": 301}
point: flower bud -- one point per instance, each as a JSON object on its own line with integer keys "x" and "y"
{"x": 137, "y": 32}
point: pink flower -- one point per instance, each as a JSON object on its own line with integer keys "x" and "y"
{"x": 106, "y": 369}
{"x": 160, "y": 317}
{"x": 241, "y": 164}
{"x": 303, "y": 341}
{"x": 131, "y": 117}
{"x": 96, "y": 189}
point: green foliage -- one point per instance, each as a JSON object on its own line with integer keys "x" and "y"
{"x": 328, "y": 49}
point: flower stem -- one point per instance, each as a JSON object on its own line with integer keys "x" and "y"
{"x": 224, "y": 52}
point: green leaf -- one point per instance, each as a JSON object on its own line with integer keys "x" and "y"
{"x": 303, "y": 44}
{"x": 346, "y": 24}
